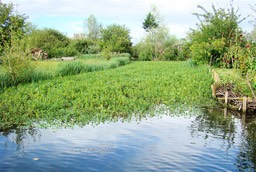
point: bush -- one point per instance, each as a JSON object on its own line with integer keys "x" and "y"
{"x": 94, "y": 49}
{"x": 17, "y": 61}
{"x": 51, "y": 41}
{"x": 217, "y": 31}
{"x": 63, "y": 52}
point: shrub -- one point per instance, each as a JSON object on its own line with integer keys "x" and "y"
{"x": 51, "y": 41}
{"x": 216, "y": 32}
{"x": 17, "y": 61}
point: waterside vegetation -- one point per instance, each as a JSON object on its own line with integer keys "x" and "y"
{"x": 135, "y": 89}
{"x": 49, "y": 69}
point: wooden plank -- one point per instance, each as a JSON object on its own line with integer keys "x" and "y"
{"x": 231, "y": 98}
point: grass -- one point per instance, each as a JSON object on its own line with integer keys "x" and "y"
{"x": 234, "y": 77}
{"x": 44, "y": 70}
{"x": 133, "y": 90}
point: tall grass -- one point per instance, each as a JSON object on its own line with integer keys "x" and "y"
{"x": 77, "y": 67}
{"x": 48, "y": 69}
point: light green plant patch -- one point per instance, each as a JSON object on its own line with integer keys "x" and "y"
{"x": 131, "y": 91}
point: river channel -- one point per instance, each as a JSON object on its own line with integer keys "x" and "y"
{"x": 205, "y": 140}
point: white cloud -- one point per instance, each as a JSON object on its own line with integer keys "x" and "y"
{"x": 178, "y": 14}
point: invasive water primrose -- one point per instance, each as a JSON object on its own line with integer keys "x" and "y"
{"x": 104, "y": 95}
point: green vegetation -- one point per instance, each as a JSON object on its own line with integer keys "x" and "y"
{"x": 94, "y": 28}
{"x": 53, "y": 42}
{"x": 10, "y": 21}
{"x": 126, "y": 92}
{"x": 157, "y": 44}
{"x": 49, "y": 69}
{"x": 135, "y": 89}
{"x": 116, "y": 38}
{"x": 216, "y": 33}
{"x": 233, "y": 77}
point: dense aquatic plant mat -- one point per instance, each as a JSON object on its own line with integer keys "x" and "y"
{"x": 132, "y": 90}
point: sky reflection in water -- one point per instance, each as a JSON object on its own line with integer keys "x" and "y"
{"x": 199, "y": 142}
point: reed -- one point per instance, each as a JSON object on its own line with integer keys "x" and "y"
{"x": 44, "y": 70}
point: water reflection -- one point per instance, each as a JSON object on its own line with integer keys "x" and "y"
{"x": 207, "y": 141}
{"x": 212, "y": 122}
{"x": 18, "y": 138}
{"x": 246, "y": 159}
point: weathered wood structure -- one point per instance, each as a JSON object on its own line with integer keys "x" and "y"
{"x": 228, "y": 98}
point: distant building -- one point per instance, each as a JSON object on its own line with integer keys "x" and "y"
{"x": 79, "y": 36}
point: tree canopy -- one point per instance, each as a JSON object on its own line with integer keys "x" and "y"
{"x": 150, "y": 22}
{"x": 116, "y": 38}
{"x": 94, "y": 28}
{"x": 217, "y": 31}
{"x": 10, "y": 21}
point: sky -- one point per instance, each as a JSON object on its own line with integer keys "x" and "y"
{"x": 68, "y": 16}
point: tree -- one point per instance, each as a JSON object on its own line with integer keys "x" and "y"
{"x": 150, "y": 22}
{"x": 10, "y": 21}
{"x": 94, "y": 28}
{"x": 157, "y": 43}
{"x": 116, "y": 38}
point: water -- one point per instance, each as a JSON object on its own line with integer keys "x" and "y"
{"x": 205, "y": 141}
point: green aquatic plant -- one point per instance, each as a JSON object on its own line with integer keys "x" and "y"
{"x": 133, "y": 90}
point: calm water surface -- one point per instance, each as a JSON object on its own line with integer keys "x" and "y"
{"x": 205, "y": 141}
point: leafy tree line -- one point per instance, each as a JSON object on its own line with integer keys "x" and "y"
{"x": 114, "y": 38}
{"x": 218, "y": 40}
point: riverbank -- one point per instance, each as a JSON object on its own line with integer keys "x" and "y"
{"x": 233, "y": 90}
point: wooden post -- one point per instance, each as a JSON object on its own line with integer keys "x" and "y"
{"x": 226, "y": 98}
{"x": 244, "y": 104}
{"x": 225, "y": 112}
{"x": 214, "y": 88}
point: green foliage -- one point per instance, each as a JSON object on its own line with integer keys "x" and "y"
{"x": 106, "y": 53}
{"x": 51, "y": 41}
{"x": 158, "y": 44}
{"x": 41, "y": 70}
{"x": 94, "y": 28}
{"x": 77, "y": 67}
{"x": 63, "y": 52}
{"x": 216, "y": 32}
{"x": 234, "y": 78}
{"x": 10, "y": 21}
{"x": 131, "y": 91}
{"x": 144, "y": 51}
{"x": 116, "y": 38}
{"x": 16, "y": 59}
{"x": 150, "y": 22}
{"x": 85, "y": 46}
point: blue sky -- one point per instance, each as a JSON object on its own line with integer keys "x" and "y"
{"x": 68, "y": 16}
